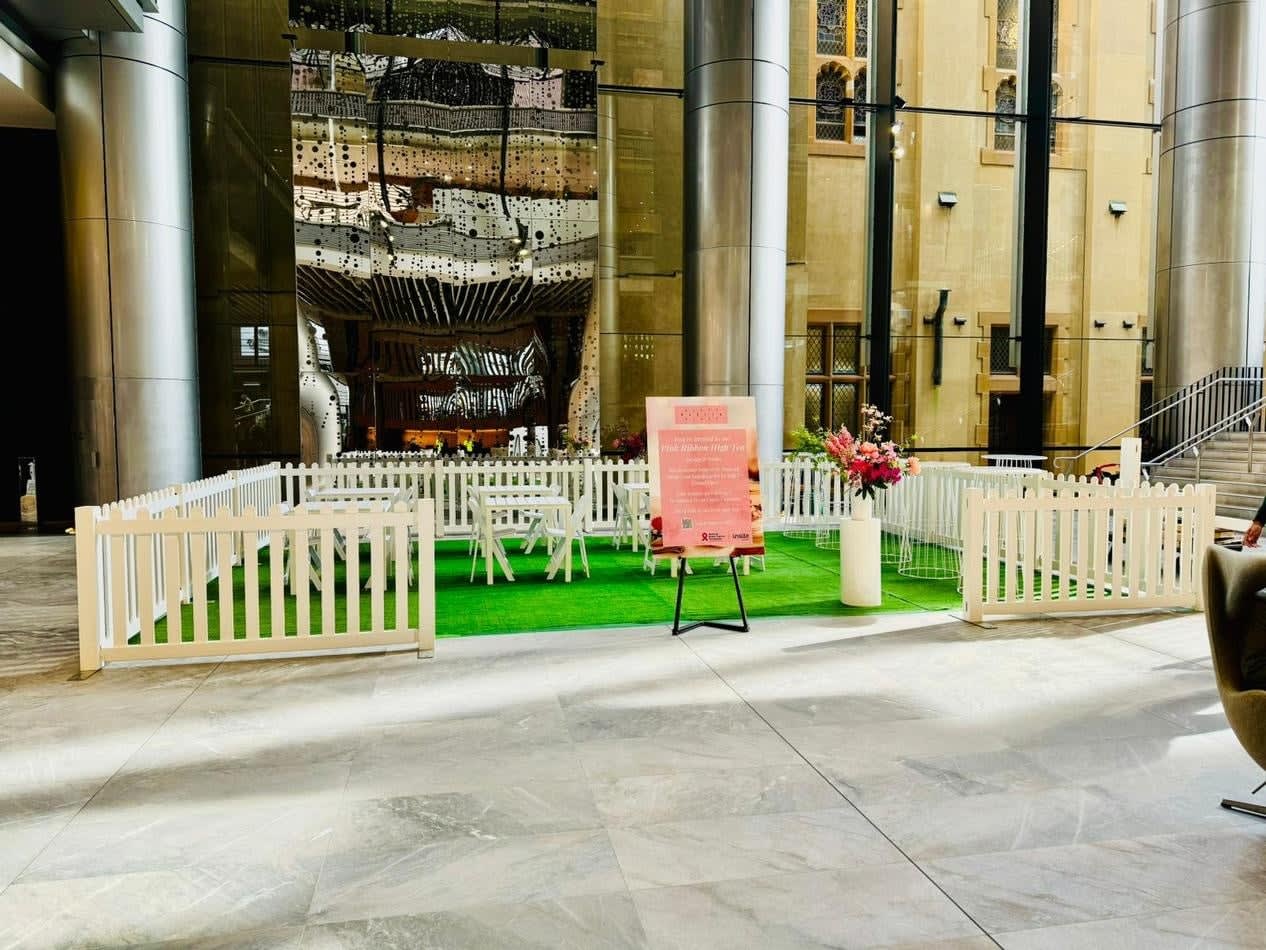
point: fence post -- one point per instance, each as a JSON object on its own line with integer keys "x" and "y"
{"x": 973, "y": 554}
{"x": 87, "y": 576}
{"x": 426, "y": 515}
{"x": 1207, "y": 500}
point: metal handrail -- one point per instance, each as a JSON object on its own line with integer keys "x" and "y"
{"x": 1166, "y": 405}
{"x": 1200, "y": 438}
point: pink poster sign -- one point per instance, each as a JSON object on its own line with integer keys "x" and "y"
{"x": 705, "y": 479}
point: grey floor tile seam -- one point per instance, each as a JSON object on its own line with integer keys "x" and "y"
{"x": 852, "y": 804}
{"x": 325, "y": 855}
{"x": 122, "y": 765}
{"x": 1143, "y": 646}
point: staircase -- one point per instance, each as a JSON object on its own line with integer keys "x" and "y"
{"x": 1200, "y": 433}
{"x": 1224, "y": 461}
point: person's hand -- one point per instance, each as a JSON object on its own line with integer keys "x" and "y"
{"x": 1252, "y": 534}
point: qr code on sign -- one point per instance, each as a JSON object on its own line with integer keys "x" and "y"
{"x": 687, "y": 523}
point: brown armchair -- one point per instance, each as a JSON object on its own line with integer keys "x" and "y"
{"x": 1233, "y": 609}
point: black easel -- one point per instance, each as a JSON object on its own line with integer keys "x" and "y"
{"x": 678, "y": 629}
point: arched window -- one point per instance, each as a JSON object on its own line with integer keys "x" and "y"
{"x": 1004, "y": 105}
{"x": 859, "y": 115}
{"x": 832, "y": 23}
{"x": 830, "y": 109}
{"x": 861, "y": 38}
{"x": 1007, "y": 24}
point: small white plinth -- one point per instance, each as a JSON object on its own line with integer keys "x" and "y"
{"x": 859, "y": 562}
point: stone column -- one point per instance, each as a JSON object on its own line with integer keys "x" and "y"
{"x": 123, "y": 131}
{"x": 735, "y": 229}
{"x": 1211, "y": 227}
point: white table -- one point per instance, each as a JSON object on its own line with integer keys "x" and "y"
{"x": 554, "y": 504}
{"x": 351, "y": 495}
{"x": 1005, "y": 460}
{"x": 373, "y": 499}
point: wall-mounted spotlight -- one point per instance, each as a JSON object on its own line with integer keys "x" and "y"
{"x": 897, "y": 127}
{"x": 1116, "y": 208}
{"x": 1127, "y": 324}
{"x": 898, "y": 102}
{"x": 899, "y": 152}
{"x": 1099, "y": 324}
{"x": 960, "y": 321}
{"x": 947, "y": 199}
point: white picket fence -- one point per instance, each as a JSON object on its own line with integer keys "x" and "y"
{"x": 130, "y": 567}
{"x": 449, "y": 482}
{"x": 1066, "y": 546}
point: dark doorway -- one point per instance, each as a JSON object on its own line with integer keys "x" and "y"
{"x": 32, "y": 270}
{"x": 1004, "y": 422}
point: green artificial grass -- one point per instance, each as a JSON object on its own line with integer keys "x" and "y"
{"x": 800, "y": 580}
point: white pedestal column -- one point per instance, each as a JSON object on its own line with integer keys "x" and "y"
{"x": 859, "y": 562}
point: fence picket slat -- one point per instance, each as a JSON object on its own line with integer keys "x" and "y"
{"x": 173, "y": 571}
{"x": 118, "y": 589}
{"x": 198, "y": 544}
{"x": 377, "y": 579}
{"x": 1010, "y": 553}
{"x": 400, "y": 539}
{"x": 276, "y": 581}
{"x": 352, "y": 543}
{"x": 300, "y": 541}
{"x": 250, "y": 578}
{"x": 328, "y": 595}
{"x": 145, "y": 583}
{"x": 224, "y": 552}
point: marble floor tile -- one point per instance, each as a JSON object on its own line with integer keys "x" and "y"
{"x": 111, "y": 839}
{"x": 412, "y": 878}
{"x": 180, "y": 905}
{"x": 203, "y": 783}
{"x": 1047, "y": 817}
{"x": 486, "y": 814}
{"x": 1046, "y": 887}
{"x": 23, "y": 838}
{"x": 284, "y": 938}
{"x": 791, "y": 711}
{"x": 1057, "y": 777}
{"x": 588, "y": 722}
{"x": 1239, "y": 926}
{"x": 400, "y": 762}
{"x": 681, "y": 796}
{"x": 598, "y": 922}
{"x": 619, "y": 758}
{"x": 893, "y": 906}
{"x": 691, "y": 852}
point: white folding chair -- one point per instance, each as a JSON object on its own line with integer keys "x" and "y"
{"x": 484, "y": 533}
{"x": 558, "y": 532}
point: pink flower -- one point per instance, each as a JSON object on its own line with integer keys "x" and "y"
{"x": 913, "y": 465}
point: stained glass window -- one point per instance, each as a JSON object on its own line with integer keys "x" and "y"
{"x": 845, "y": 345}
{"x": 830, "y": 109}
{"x": 1004, "y": 128}
{"x": 815, "y": 351}
{"x": 1008, "y": 26}
{"x": 832, "y": 23}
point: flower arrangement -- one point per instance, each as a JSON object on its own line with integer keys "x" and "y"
{"x": 868, "y": 461}
{"x": 628, "y": 444}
